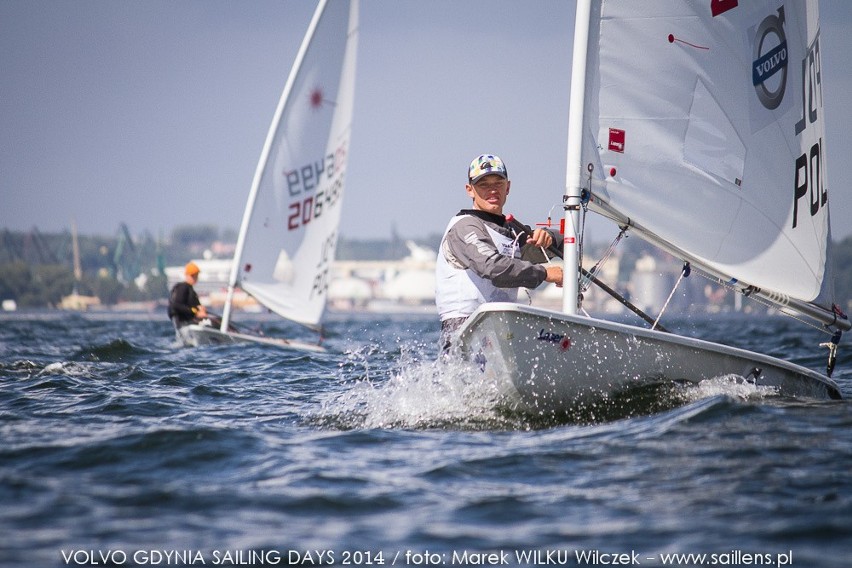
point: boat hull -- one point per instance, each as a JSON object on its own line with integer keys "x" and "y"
{"x": 195, "y": 335}
{"x": 547, "y": 360}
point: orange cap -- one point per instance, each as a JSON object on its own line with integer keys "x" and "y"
{"x": 191, "y": 269}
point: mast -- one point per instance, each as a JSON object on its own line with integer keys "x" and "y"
{"x": 261, "y": 164}
{"x": 573, "y": 177}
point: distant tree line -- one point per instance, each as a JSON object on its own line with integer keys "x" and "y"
{"x": 37, "y": 270}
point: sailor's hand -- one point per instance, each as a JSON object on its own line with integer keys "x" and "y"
{"x": 554, "y": 274}
{"x": 201, "y": 312}
{"x": 540, "y": 238}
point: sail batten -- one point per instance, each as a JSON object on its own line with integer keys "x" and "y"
{"x": 705, "y": 128}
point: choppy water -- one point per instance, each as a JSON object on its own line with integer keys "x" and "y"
{"x": 119, "y": 448}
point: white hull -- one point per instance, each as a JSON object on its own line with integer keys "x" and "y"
{"x": 195, "y": 335}
{"x": 547, "y": 360}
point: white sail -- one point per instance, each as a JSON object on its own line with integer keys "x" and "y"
{"x": 704, "y": 129}
{"x": 290, "y": 227}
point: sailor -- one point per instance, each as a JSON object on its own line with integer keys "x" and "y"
{"x": 184, "y": 306}
{"x": 479, "y": 260}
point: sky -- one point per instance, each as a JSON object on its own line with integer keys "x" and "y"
{"x": 153, "y": 113}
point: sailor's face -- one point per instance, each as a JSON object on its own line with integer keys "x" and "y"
{"x": 489, "y": 193}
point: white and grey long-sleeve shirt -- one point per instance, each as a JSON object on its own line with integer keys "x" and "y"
{"x": 479, "y": 262}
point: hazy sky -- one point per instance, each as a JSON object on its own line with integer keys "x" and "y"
{"x": 154, "y": 112}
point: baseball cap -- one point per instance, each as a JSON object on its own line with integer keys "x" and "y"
{"x": 484, "y": 165}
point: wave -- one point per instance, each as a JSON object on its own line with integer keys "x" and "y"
{"x": 115, "y": 350}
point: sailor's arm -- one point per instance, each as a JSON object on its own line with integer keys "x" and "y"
{"x": 472, "y": 248}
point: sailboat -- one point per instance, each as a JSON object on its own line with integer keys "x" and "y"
{"x": 289, "y": 230}
{"x": 699, "y": 127}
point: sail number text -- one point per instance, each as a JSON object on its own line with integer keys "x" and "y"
{"x": 315, "y": 187}
{"x": 321, "y": 276}
{"x": 809, "y": 177}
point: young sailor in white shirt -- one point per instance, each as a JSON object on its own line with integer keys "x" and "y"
{"x": 479, "y": 260}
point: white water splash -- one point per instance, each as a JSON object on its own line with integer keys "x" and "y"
{"x": 733, "y": 386}
{"x": 69, "y": 369}
{"x": 413, "y": 393}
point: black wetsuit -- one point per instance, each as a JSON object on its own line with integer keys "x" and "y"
{"x": 182, "y": 300}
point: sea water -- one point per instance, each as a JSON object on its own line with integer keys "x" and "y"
{"x": 120, "y": 448}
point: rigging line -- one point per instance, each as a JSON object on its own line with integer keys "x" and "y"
{"x": 683, "y": 274}
{"x": 621, "y": 299}
{"x": 516, "y": 246}
{"x": 585, "y": 197}
{"x": 587, "y": 281}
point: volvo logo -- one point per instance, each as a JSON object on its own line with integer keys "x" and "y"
{"x": 769, "y": 67}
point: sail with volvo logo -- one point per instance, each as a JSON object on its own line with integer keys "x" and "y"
{"x": 700, "y": 127}
{"x": 728, "y": 136}
{"x": 289, "y": 230}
